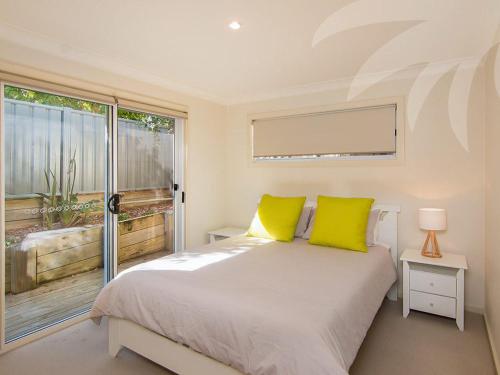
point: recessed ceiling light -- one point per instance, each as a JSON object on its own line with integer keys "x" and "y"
{"x": 235, "y": 25}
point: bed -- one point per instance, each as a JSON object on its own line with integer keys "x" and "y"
{"x": 252, "y": 306}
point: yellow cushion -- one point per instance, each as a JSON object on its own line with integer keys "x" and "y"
{"x": 276, "y": 218}
{"x": 341, "y": 222}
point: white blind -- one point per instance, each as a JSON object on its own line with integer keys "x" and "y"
{"x": 56, "y": 88}
{"x": 149, "y": 108}
{"x": 367, "y": 130}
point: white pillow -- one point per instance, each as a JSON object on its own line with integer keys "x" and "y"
{"x": 303, "y": 222}
{"x": 371, "y": 227}
{"x": 307, "y": 233}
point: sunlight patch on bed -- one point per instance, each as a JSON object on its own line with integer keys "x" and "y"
{"x": 186, "y": 261}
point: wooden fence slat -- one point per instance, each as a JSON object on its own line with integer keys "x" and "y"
{"x": 23, "y": 214}
{"x": 169, "y": 229}
{"x": 147, "y": 193}
{"x": 140, "y": 235}
{"x": 14, "y": 204}
{"x": 72, "y": 239}
{"x": 18, "y": 224}
{"x": 137, "y": 224}
{"x": 23, "y": 269}
{"x": 146, "y": 247}
{"x": 68, "y": 256}
{"x": 72, "y": 269}
{"x": 7, "y": 269}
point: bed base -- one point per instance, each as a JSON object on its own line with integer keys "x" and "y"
{"x": 184, "y": 360}
{"x": 388, "y": 236}
{"x": 161, "y": 350}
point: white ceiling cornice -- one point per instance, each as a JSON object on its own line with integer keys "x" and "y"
{"x": 28, "y": 39}
{"x": 37, "y": 42}
{"x": 434, "y": 68}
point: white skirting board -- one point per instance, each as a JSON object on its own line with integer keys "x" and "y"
{"x": 492, "y": 344}
{"x": 167, "y": 353}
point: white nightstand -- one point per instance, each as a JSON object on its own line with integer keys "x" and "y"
{"x": 434, "y": 285}
{"x": 227, "y": 232}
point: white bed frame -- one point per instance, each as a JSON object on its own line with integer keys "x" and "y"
{"x": 184, "y": 360}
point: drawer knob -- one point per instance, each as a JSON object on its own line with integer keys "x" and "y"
{"x": 431, "y": 284}
{"x": 431, "y": 304}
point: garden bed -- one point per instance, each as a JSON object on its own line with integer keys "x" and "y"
{"x": 36, "y": 254}
{"x": 55, "y": 254}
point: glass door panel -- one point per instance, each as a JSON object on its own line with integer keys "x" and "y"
{"x": 55, "y": 168}
{"x": 145, "y": 147}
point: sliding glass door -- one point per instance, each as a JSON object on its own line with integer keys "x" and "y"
{"x": 55, "y": 168}
{"x": 88, "y": 189}
{"x": 145, "y": 171}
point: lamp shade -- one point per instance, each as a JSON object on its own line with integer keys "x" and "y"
{"x": 432, "y": 218}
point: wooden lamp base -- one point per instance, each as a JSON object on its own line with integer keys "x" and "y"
{"x": 434, "y": 251}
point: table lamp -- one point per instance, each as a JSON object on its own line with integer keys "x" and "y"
{"x": 432, "y": 220}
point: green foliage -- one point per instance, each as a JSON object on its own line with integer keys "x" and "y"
{"x": 151, "y": 122}
{"x": 149, "y": 212}
{"x": 69, "y": 216}
{"x": 38, "y": 97}
{"x": 122, "y": 216}
{"x": 64, "y": 207}
{"x": 86, "y": 209}
{"x": 49, "y": 213}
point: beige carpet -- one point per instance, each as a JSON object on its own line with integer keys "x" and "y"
{"x": 421, "y": 344}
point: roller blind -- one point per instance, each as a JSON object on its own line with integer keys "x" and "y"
{"x": 367, "y": 130}
{"x": 149, "y": 108}
{"x": 57, "y": 89}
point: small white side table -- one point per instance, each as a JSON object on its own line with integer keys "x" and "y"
{"x": 434, "y": 285}
{"x": 226, "y": 232}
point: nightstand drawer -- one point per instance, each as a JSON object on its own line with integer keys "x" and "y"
{"x": 432, "y": 303}
{"x": 439, "y": 281}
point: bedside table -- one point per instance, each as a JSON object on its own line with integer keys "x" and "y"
{"x": 434, "y": 285}
{"x": 226, "y": 232}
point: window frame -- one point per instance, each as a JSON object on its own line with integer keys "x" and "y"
{"x": 342, "y": 159}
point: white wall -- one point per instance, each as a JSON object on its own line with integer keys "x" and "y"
{"x": 437, "y": 171}
{"x": 223, "y": 185}
{"x": 492, "y": 307}
{"x": 205, "y": 150}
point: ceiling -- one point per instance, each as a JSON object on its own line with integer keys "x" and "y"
{"x": 283, "y": 45}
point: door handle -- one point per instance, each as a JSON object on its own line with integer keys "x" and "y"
{"x": 114, "y": 204}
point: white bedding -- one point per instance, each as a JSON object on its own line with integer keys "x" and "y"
{"x": 261, "y": 306}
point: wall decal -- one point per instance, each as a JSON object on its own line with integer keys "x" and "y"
{"x": 434, "y": 40}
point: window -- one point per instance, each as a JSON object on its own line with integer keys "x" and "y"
{"x": 365, "y": 132}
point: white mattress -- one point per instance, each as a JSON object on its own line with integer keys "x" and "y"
{"x": 261, "y": 306}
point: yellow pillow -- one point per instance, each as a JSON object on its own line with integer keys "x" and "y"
{"x": 341, "y": 222}
{"x": 276, "y": 218}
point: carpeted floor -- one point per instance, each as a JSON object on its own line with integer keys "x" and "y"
{"x": 421, "y": 344}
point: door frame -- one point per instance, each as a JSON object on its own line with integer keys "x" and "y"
{"x": 107, "y": 253}
{"x": 179, "y": 179}
{"x": 111, "y": 184}
{"x": 179, "y": 165}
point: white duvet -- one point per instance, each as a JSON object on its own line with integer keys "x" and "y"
{"x": 261, "y": 306}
